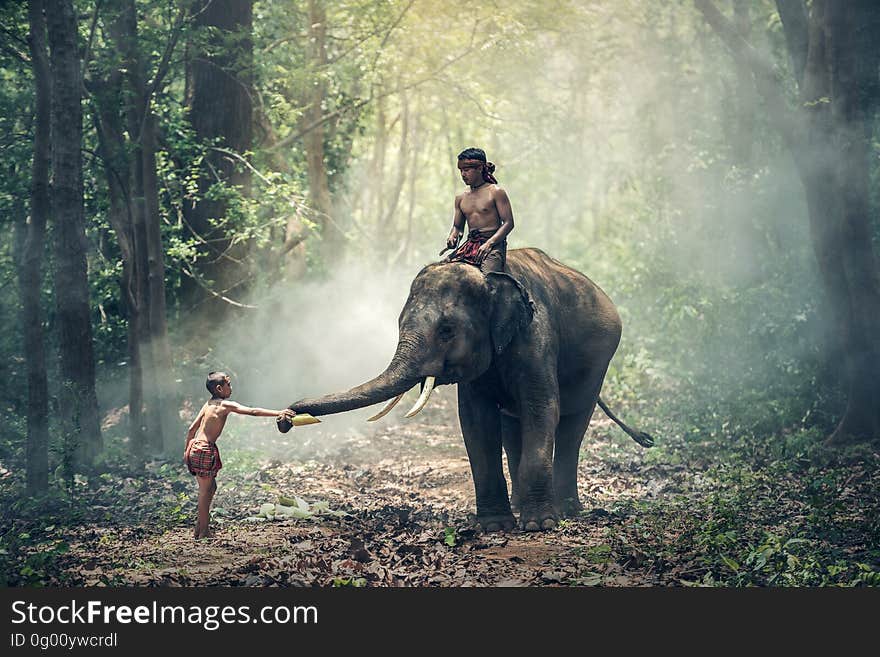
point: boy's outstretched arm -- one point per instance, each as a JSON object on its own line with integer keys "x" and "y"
{"x": 235, "y": 407}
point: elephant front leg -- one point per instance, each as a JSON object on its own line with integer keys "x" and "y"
{"x": 537, "y": 510}
{"x": 481, "y": 429}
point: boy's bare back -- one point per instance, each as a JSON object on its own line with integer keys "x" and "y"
{"x": 212, "y": 419}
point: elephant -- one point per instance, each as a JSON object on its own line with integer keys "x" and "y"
{"x": 528, "y": 349}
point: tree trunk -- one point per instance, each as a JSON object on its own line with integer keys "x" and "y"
{"x": 388, "y": 224}
{"x": 220, "y": 80}
{"x": 834, "y": 170}
{"x": 162, "y": 374}
{"x": 746, "y": 97}
{"x": 134, "y": 104}
{"x": 149, "y": 348}
{"x": 112, "y": 146}
{"x": 404, "y": 251}
{"x": 793, "y": 14}
{"x": 79, "y": 405}
{"x": 332, "y": 237}
{"x": 376, "y": 182}
{"x": 829, "y": 136}
{"x": 851, "y": 34}
{"x": 31, "y": 261}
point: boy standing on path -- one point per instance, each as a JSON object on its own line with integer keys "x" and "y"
{"x": 486, "y": 209}
{"x": 201, "y": 454}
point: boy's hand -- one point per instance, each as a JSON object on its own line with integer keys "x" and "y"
{"x": 284, "y": 421}
{"x": 483, "y": 251}
{"x": 285, "y": 415}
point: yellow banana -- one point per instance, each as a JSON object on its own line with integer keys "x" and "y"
{"x": 302, "y": 419}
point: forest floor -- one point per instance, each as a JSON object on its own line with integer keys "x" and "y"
{"x": 390, "y": 506}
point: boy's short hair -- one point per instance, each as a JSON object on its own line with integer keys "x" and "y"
{"x": 214, "y": 381}
{"x": 473, "y": 154}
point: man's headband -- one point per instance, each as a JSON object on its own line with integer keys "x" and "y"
{"x": 487, "y": 167}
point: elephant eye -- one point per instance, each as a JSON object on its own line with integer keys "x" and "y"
{"x": 445, "y": 331}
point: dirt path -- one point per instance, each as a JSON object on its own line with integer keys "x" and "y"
{"x": 407, "y": 493}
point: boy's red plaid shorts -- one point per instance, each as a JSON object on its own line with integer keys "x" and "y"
{"x": 203, "y": 459}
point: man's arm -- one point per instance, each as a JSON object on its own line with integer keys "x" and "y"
{"x": 235, "y": 407}
{"x": 505, "y": 214}
{"x": 457, "y": 226}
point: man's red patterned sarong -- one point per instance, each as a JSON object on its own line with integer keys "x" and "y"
{"x": 495, "y": 260}
{"x": 467, "y": 252}
{"x": 203, "y": 458}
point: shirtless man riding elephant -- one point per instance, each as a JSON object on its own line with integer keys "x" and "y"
{"x": 486, "y": 209}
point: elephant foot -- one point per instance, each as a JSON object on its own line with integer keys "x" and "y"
{"x": 537, "y": 519}
{"x": 570, "y": 507}
{"x": 495, "y": 523}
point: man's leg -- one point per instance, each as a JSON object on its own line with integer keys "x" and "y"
{"x": 207, "y": 486}
{"x": 495, "y": 259}
{"x": 211, "y": 499}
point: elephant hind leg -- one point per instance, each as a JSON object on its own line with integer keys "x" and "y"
{"x": 569, "y": 435}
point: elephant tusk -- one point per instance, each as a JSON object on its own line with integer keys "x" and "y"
{"x": 387, "y": 408}
{"x": 423, "y": 399}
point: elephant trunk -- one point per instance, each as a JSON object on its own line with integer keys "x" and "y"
{"x": 397, "y": 378}
{"x": 385, "y": 386}
{"x": 400, "y": 375}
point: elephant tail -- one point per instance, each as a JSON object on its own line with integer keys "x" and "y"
{"x": 642, "y": 438}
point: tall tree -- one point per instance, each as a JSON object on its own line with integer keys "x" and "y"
{"x": 127, "y": 223}
{"x": 220, "y": 83}
{"x": 835, "y": 54}
{"x": 78, "y": 400}
{"x": 125, "y": 97}
{"x": 313, "y": 120}
{"x": 745, "y": 98}
{"x": 30, "y": 266}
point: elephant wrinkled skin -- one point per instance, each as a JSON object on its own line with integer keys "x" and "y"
{"x": 528, "y": 350}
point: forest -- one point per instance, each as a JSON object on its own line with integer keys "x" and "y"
{"x": 250, "y": 187}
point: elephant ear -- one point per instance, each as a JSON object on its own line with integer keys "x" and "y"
{"x": 512, "y": 309}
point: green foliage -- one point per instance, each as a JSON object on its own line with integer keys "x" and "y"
{"x": 354, "y": 582}
{"x": 40, "y": 560}
{"x": 175, "y": 510}
{"x": 795, "y": 514}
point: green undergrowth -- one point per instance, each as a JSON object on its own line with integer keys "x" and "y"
{"x": 726, "y": 509}
{"x": 780, "y": 511}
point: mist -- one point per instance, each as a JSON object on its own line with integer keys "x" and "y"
{"x": 311, "y": 339}
{"x": 617, "y": 152}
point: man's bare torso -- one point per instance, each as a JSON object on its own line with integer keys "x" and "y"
{"x": 479, "y": 210}
{"x": 213, "y": 420}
